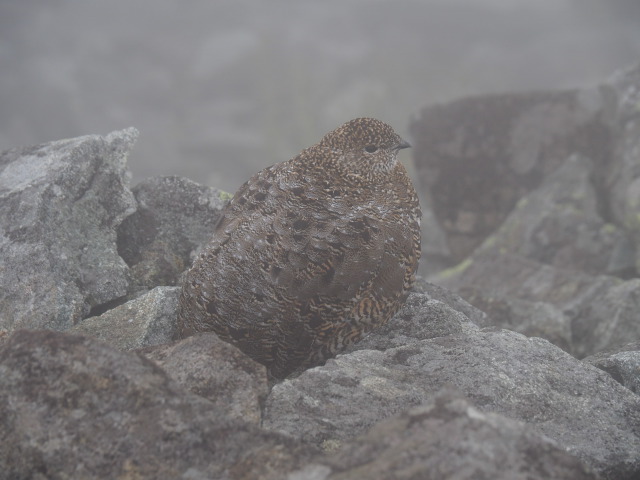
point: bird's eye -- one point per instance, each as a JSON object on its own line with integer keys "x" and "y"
{"x": 370, "y": 149}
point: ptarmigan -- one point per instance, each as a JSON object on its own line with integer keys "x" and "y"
{"x": 311, "y": 253}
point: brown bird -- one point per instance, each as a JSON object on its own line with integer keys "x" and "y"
{"x": 311, "y": 253}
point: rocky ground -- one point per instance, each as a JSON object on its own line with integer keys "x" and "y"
{"x": 519, "y": 359}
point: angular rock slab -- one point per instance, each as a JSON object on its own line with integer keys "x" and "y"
{"x": 602, "y": 310}
{"x": 622, "y": 363}
{"x": 217, "y": 371}
{"x": 528, "y": 379}
{"x": 72, "y": 407}
{"x": 60, "y": 204}
{"x": 623, "y": 174}
{"x": 421, "y": 317}
{"x": 174, "y": 217}
{"x": 147, "y": 320}
{"x": 476, "y": 157}
{"x": 559, "y": 224}
{"x": 449, "y": 438}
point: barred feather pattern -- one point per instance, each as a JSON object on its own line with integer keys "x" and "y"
{"x": 311, "y": 253}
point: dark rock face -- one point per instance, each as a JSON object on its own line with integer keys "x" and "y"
{"x": 71, "y": 407}
{"x": 60, "y": 204}
{"x": 174, "y": 217}
{"x": 477, "y": 157}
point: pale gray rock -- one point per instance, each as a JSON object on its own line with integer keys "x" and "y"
{"x": 73, "y": 407}
{"x": 531, "y": 318}
{"x": 622, "y": 363}
{"x": 449, "y": 438}
{"x": 623, "y": 172}
{"x": 174, "y": 217}
{"x": 559, "y": 224}
{"x": 602, "y": 310}
{"x": 147, "y": 320}
{"x": 60, "y": 204}
{"x": 217, "y": 371}
{"x": 455, "y": 301}
{"x": 528, "y": 379}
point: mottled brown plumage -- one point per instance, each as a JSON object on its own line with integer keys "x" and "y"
{"x": 311, "y": 253}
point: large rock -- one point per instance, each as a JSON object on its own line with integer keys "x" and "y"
{"x": 622, "y": 363}
{"x": 476, "y": 157}
{"x": 174, "y": 217}
{"x": 72, "y": 407}
{"x": 601, "y": 310}
{"x": 147, "y": 320}
{"x": 623, "y": 172}
{"x": 583, "y": 409}
{"x": 60, "y": 204}
{"x": 559, "y": 224}
{"x": 217, "y": 371}
{"x": 531, "y": 318}
{"x": 448, "y": 438}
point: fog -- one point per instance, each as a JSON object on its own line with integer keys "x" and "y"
{"x": 220, "y": 89}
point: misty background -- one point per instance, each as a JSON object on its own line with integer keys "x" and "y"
{"x": 221, "y": 89}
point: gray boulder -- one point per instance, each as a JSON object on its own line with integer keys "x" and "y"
{"x": 448, "y": 438}
{"x": 60, "y": 204}
{"x": 455, "y": 301}
{"x": 173, "y": 218}
{"x": 623, "y": 170}
{"x": 217, "y": 371}
{"x": 559, "y": 224}
{"x": 622, "y": 363}
{"x": 147, "y": 320}
{"x": 476, "y": 157}
{"x": 72, "y": 407}
{"x": 531, "y": 318}
{"x": 527, "y": 379}
{"x": 601, "y": 310}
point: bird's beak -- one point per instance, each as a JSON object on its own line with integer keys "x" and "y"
{"x": 403, "y": 144}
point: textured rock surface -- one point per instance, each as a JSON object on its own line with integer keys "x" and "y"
{"x": 541, "y": 191}
{"x": 477, "y": 157}
{"x": 623, "y": 172}
{"x": 580, "y": 407}
{"x": 531, "y": 318}
{"x": 60, "y": 204}
{"x": 217, "y": 371}
{"x": 558, "y": 224}
{"x": 72, "y": 407}
{"x": 455, "y": 301}
{"x": 622, "y": 363}
{"x": 147, "y": 320}
{"x": 174, "y": 217}
{"x": 449, "y": 438}
{"x": 420, "y": 318}
{"x": 602, "y": 310}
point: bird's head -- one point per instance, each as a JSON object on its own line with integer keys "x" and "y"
{"x": 364, "y": 146}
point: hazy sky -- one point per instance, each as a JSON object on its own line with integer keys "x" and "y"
{"x": 221, "y": 89}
